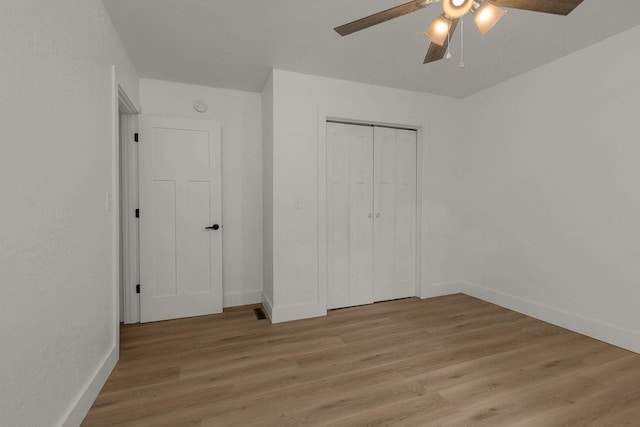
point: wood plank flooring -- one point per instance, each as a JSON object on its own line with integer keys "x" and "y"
{"x": 449, "y": 361}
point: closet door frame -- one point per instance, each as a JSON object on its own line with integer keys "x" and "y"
{"x": 416, "y": 123}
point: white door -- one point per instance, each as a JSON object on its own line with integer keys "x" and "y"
{"x": 395, "y": 213}
{"x": 180, "y": 205}
{"x": 371, "y": 214}
{"x": 350, "y": 214}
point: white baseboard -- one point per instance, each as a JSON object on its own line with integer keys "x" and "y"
{"x": 268, "y": 306}
{"x": 296, "y": 312}
{"x": 83, "y": 403}
{"x": 235, "y": 299}
{"x": 292, "y": 312}
{"x": 442, "y": 289}
{"x": 615, "y": 335}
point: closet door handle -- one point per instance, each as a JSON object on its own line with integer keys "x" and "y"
{"x": 378, "y": 215}
{"x": 213, "y": 227}
{"x": 370, "y": 215}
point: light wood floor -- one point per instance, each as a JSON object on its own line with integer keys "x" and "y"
{"x": 450, "y": 361}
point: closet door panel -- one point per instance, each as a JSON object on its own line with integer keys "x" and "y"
{"x": 405, "y": 241}
{"x": 395, "y": 207}
{"x": 361, "y": 215}
{"x": 338, "y": 216}
{"x": 349, "y": 207}
{"x": 384, "y": 207}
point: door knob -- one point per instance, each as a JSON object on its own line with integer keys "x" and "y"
{"x": 378, "y": 215}
{"x": 213, "y": 227}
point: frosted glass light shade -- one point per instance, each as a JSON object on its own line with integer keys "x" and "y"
{"x": 486, "y": 16}
{"x": 438, "y": 30}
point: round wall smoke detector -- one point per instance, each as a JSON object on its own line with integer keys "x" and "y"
{"x": 200, "y": 106}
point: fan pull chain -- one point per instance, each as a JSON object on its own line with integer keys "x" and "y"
{"x": 448, "y": 55}
{"x": 461, "y": 64}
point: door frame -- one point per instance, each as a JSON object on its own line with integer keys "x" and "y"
{"x": 126, "y": 170}
{"x": 356, "y": 117}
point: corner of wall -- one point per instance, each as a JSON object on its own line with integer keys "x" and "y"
{"x": 244, "y": 297}
{"x": 594, "y": 328}
{"x": 442, "y": 289}
{"x": 267, "y": 193}
{"x": 268, "y": 305}
{"x": 90, "y": 391}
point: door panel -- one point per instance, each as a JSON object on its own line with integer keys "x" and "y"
{"x": 199, "y": 243}
{"x": 164, "y": 238}
{"x": 405, "y": 244}
{"x": 338, "y": 217}
{"x": 361, "y": 237}
{"x": 384, "y": 207}
{"x": 180, "y": 149}
{"x": 395, "y": 208}
{"x": 349, "y": 207}
{"x": 180, "y": 195}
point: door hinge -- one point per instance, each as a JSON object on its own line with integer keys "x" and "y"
{"x": 137, "y": 213}
{"x": 137, "y": 289}
{"x": 135, "y": 137}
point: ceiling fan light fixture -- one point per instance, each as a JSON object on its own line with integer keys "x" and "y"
{"x": 486, "y": 15}
{"x": 438, "y": 30}
{"x": 455, "y": 9}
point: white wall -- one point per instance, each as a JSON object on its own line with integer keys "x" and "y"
{"x": 239, "y": 113}
{"x": 267, "y": 193}
{"x": 552, "y": 204}
{"x": 58, "y": 317}
{"x": 299, "y": 103}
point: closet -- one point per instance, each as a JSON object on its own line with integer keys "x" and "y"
{"x": 371, "y": 214}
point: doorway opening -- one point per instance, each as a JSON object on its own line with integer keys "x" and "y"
{"x": 129, "y": 247}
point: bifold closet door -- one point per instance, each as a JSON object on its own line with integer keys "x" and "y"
{"x": 395, "y": 213}
{"x": 349, "y": 215}
{"x": 371, "y": 214}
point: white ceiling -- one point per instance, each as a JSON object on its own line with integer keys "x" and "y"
{"x": 235, "y": 43}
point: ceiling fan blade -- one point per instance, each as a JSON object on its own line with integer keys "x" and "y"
{"x": 437, "y": 52}
{"x": 556, "y": 7}
{"x": 380, "y": 17}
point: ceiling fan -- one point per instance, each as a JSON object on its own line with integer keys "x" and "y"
{"x": 486, "y": 13}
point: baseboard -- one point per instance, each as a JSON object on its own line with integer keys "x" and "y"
{"x": 235, "y": 299}
{"x": 297, "y": 312}
{"x": 615, "y": 335}
{"x": 83, "y": 403}
{"x": 267, "y": 305}
{"x": 442, "y": 289}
